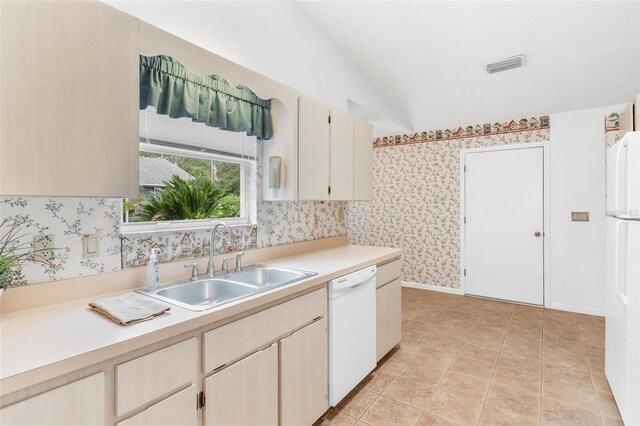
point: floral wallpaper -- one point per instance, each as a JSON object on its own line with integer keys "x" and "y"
{"x": 68, "y": 218}
{"x": 416, "y": 197}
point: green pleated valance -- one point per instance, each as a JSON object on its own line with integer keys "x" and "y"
{"x": 175, "y": 91}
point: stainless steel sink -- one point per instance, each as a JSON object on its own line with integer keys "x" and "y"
{"x": 268, "y": 276}
{"x": 206, "y": 293}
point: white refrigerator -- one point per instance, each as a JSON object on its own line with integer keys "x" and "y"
{"x": 622, "y": 335}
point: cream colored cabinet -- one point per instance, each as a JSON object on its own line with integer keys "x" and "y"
{"x": 178, "y": 409}
{"x": 303, "y": 375}
{"x": 148, "y": 377}
{"x": 224, "y": 345}
{"x": 69, "y": 104}
{"x": 245, "y": 393}
{"x": 335, "y": 154}
{"x": 341, "y": 156}
{"x": 266, "y": 368}
{"x": 286, "y": 382}
{"x": 626, "y": 120}
{"x": 388, "y": 317}
{"x": 388, "y": 307}
{"x": 313, "y": 149}
{"x": 363, "y": 161}
{"x": 77, "y": 403}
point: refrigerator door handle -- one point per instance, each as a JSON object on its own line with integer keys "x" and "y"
{"x": 623, "y": 297}
{"x": 616, "y": 187}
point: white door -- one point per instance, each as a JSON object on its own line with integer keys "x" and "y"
{"x": 504, "y": 230}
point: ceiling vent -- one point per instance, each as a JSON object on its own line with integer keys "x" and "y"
{"x": 507, "y": 64}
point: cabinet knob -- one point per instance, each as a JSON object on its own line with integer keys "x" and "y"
{"x": 537, "y": 234}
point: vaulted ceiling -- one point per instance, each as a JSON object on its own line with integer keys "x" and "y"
{"x": 427, "y": 58}
{"x": 419, "y": 65}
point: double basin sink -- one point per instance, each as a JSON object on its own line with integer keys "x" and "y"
{"x": 209, "y": 292}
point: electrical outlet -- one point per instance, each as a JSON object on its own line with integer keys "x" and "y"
{"x": 268, "y": 224}
{"x": 340, "y": 214}
{"x": 43, "y": 247}
{"x": 316, "y": 222}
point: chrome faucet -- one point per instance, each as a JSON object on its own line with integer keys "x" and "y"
{"x": 211, "y": 269}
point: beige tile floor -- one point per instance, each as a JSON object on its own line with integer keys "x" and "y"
{"x": 468, "y": 361}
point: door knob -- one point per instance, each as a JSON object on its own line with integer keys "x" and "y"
{"x": 537, "y": 234}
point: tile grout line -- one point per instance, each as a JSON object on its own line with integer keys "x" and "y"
{"x": 586, "y": 355}
{"x": 495, "y": 367}
{"x": 412, "y": 354}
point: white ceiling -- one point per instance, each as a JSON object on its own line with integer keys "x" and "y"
{"x": 427, "y": 58}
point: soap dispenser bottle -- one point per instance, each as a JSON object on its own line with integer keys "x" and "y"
{"x": 153, "y": 270}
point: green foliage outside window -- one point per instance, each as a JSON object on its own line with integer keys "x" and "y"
{"x": 213, "y": 192}
{"x": 181, "y": 199}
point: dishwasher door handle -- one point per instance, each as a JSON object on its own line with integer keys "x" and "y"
{"x": 338, "y": 289}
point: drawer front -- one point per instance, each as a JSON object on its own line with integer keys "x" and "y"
{"x": 239, "y": 338}
{"x": 389, "y": 317}
{"x": 78, "y": 403}
{"x": 388, "y": 272}
{"x": 178, "y": 409}
{"x": 143, "y": 379}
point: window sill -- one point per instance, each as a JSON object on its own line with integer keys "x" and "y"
{"x": 177, "y": 226}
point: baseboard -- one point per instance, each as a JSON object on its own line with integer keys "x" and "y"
{"x": 459, "y": 291}
{"x": 432, "y": 287}
{"x": 577, "y": 309}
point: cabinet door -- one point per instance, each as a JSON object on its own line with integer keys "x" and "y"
{"x": 245, "y": 393}
{"x": 626, "y": 120}
{"x": 304, "y": 375}
{"x": 78, "y": 403}
{"x": 178, "y": 409}
{"x": 388, "y": 317}
{"x": 363, "y": 161}
{"x": 341, "y": 156}
{"x": 313, "y": 150}
{"x": 69, "y": 105}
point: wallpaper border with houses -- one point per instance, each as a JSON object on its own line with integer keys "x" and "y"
{"x": 469, "y": 131}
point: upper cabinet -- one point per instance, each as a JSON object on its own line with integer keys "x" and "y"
{"x": 341, "y": 156}
{"x": 69, "y": 104}
{"x": 335, "y": 154}
{"x": 313, "y": 149}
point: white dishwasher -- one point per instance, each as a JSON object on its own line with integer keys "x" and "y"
{"x": 352, "y": 331}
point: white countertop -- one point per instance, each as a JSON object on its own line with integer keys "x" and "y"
{"x": 42, "y": 343}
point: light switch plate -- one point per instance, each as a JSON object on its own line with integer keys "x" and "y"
{"x": 579, "y": 216}
{"x": 90, "y": 245}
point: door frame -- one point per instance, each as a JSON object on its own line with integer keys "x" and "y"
{"x": 546, "y": 291}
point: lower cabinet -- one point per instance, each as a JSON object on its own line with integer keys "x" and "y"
{"x": 285, "y": 383}
{"x": 245, "y": 393}
{"x": 388, "y": 317}
{"x": 271, "y": 369}
{"x": 304, "y": 374}
{"x": 178, "y": 409}
{"x": 77, "y": 403}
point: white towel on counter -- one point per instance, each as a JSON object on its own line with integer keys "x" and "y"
{"x": 129, "y": 308}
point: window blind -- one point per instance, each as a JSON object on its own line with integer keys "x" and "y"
{"x": 157, "y": 129}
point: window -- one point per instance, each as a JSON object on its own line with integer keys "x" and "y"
{"x": 190, "y": 176}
